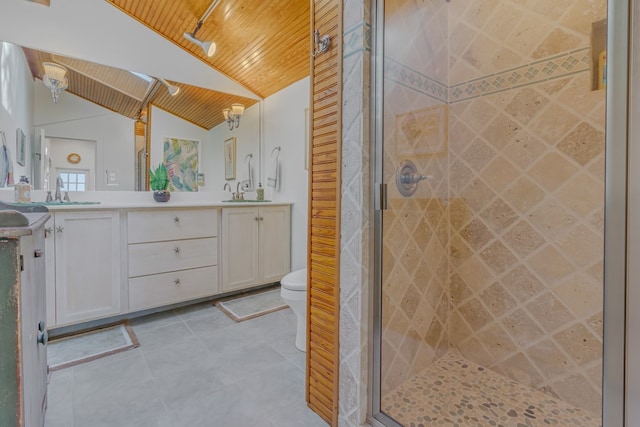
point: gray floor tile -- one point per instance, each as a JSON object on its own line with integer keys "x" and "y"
{"x": 154, "y": 321}
{"x": 195, "y": 367}
{"x": 152, "y": 339}
{"x": 107, "y": 380}
{"x": 227, "y": 407}
{"x": 129, "y": 406}
{"x": 245, "y": 361}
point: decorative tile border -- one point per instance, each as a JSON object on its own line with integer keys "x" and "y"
{"x": 357, "y": 39}
{"x": 546, "y": 69}
{"x": 415, "y": 80}
{"x": 554, "y": 67}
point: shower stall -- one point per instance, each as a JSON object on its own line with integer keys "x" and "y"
{"x": 491, "y": 151}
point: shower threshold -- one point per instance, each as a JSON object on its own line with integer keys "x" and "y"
{"x": 456, "y": 392}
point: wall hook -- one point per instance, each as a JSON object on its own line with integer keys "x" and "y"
{"x": 322, "y": 43}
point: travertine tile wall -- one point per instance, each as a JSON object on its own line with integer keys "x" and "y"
{"x": 499, "y": 255}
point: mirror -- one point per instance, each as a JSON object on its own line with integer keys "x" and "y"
{"x": 100, "y": 130}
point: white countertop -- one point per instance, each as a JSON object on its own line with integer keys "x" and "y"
{"x": 139, "y": 200}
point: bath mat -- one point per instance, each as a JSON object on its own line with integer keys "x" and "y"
{"x": 84, "y": 347}
{"x": 252, "y": 305}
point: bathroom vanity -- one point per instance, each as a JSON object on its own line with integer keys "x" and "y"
{"x": 118, "y": 259}
{"x": 23, "y": 333}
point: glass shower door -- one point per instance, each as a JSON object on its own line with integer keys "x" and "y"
{"x": 491, "y": 246}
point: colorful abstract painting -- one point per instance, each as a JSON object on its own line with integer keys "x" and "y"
{"x": 181, "y": 160}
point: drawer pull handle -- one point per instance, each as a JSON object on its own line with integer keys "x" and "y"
{"x": 48, "y": 231}
{"x": 177, "y": 282}
{"x": 177, "y": 250}
{"x": 38, "y": 253}
{"x": 176, "y": 219}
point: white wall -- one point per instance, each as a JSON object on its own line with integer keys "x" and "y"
{"x": 284, "y": 126}
{"x": 16, "y": 103}
{"x": 74, "y": 118}
{"x": 247, "y": 142}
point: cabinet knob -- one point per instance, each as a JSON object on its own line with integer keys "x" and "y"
{"x": 37, "y": 253}
{"x": 177, "y": 250}
{"x": 48, "y": 231}
{"x": 59, "y": 229}
{"x": 257, "y": 219}
{"x": 261, "y": 218}
{"x": 176, "y": 219}
{"x": 43, "y": 337}
{"x": 177, "y": 282}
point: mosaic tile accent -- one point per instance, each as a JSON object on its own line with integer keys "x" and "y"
{"x": 412, "y": 79}
{"x": 544, "y": 70}
{"x": 455, "y": 391}
{"x": 357, "y": 39}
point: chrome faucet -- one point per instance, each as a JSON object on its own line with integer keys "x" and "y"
{"x": 59, "y": 186}
{"x": 239, "y": 193}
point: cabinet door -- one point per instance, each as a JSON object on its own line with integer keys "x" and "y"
{"x": 275, "y": 242}
{"x": 50, "y": 271}
{"x": 239, "y": 247}
{"x": 32, "y": 308}
{"x": 88, "y": 272}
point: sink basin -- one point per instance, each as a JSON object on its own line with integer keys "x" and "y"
{"x": 246, "y": 201}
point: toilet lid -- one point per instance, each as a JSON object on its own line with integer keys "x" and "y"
{"x": 295, "y": 281}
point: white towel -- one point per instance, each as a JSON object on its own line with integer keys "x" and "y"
{"x": 249, "y": 173}
{"x": 273, "y": 179}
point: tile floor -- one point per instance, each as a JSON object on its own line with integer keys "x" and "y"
{"x": 454, "y": 391}
{"x": 195, "y": 367}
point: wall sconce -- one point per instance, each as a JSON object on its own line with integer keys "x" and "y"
{"x": 232, "y": 115}
{"x": 54, "y": 78}
{"x": 173, "y": 90}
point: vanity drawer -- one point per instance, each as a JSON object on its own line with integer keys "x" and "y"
{"x": 161, "y": 257}
{"x": 170, "y": 224}
{"x": 170, "y": 288}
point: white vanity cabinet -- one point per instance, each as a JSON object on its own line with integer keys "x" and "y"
{"x": 173, "y": 256}
{"x": 88, "y": 281}
{"x": 256, "y": 245}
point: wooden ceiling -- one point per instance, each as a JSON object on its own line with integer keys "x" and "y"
{"x": 125, "y": 93}
{"x": 263, "y": 45}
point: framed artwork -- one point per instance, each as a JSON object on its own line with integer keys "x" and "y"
{"x": 180, "y": 157}
{"x": 422, "y": 132}
{"x": 20, "y": 147}
{"x": 230, "y": 158}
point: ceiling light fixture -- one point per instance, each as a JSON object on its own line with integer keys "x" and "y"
{"x": 173, "y": 90}
{"x": 54, "y": 78}
{"x": 209, "y": 47}
{"x": 232, "y": 115}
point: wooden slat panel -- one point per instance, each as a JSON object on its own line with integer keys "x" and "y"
{"x": 323, "y": 303}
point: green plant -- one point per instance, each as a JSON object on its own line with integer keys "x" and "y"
{"x": 159, "y": 178}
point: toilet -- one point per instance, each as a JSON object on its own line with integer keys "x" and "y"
{"x": 293, "y": 289}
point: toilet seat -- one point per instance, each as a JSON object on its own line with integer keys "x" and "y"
{"x": 295, "y": 281}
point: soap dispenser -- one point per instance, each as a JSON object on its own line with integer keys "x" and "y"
{"x": 260, "y": 192}
{"x": 23, "y": 190}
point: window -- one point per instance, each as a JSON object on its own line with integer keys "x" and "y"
{"x": 74, "y": 180}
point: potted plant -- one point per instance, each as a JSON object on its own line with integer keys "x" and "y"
{"x": 159, "y": 183}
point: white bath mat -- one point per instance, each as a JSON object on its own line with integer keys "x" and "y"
{"x": 252, "y": 305}
{"x": 81, "y": 348}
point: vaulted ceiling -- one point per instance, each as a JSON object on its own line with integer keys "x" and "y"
{"x": 263, "y": 46}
